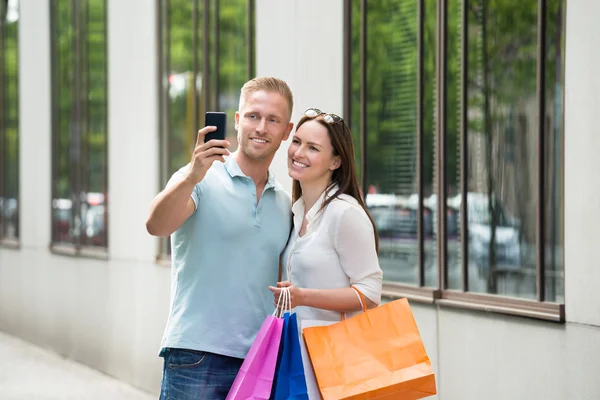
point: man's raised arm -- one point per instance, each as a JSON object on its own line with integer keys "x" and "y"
{"x": 174, "y": 205}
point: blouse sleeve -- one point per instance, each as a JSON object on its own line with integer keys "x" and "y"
{"x": 355, "y": 246}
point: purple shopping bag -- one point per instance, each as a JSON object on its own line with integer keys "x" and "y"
{"x": 255, "y": 378}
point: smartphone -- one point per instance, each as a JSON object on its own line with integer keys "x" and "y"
{"x": 217, "y": 119}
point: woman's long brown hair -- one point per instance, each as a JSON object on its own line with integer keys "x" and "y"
{"x": 345, "y": 175}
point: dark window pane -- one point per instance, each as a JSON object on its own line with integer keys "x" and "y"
{"x": 180, "y": 73}
{"x": 9, "y": 121}
{"x": 79, "y": 206}
{"x": 95, "y": 182}
{"x": 452, "y": 167}
{"x": 355, "y": 71}
{"x": 502, "y": 141}
{"x": 183, "y": 94}
{"x": 65, "y": 138}
{"x": 430, "y": 190}
{"x": 188, "y": 90}
{"x": 502, "y": 129}
{"x": 391, "y": 164}
{"x": 233, "y": 59}
{"x": 555, "y": 78}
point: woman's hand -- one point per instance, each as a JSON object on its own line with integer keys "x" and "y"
{"x": 296, "y": 294}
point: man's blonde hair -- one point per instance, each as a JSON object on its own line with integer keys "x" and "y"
{"x": 268, "y": 84}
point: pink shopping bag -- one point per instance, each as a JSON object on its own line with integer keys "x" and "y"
{"x": 254, "y": 381}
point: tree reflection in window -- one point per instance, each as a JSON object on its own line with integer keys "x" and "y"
{"x": 79, "y": 184}
{"x": 9, "y": 121}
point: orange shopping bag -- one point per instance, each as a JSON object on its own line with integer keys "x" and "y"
{"x": 376, "y": 354}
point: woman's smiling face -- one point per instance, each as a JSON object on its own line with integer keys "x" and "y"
{"x": 310, "y": 155}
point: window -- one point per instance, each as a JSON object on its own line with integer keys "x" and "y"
{"x": 9, "y": 122}
{"x": 207, "y": 54}
{"x": 445, "y": 98}
{"x": 79, "y": 126}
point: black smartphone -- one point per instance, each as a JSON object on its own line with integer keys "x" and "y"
{"x": 217, "y": 119}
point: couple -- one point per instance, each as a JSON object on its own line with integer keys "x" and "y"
{"x": 230, "y": 222}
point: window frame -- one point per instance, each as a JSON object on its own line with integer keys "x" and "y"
{"x": 538, "y": 308}
{"x": 76, "y": 248}
{"x": 210, "y": 68}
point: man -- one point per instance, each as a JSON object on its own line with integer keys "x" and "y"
{"x": 229, "y": 221}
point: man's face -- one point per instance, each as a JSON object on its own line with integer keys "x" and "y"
{"x": 262, "y": 124}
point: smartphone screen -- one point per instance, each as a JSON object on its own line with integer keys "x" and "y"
{"x": 217, "y": 119}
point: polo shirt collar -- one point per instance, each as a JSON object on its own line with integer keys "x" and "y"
{"x": 234, "y": 170}
{"x": 232, "y": 167}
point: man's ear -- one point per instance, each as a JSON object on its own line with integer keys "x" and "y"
{"x": 337, "y": 162}
{"x": 237, "y": 120}
{"x": 288, "y": 130}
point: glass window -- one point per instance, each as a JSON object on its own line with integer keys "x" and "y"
{"x": 503, "y": 142}
{"x": 391, "y": 146}
{"x": 79, "y": 184}
{"x": 392, "y": 114}
{"x": 233, "y": 69}
{"x": 206, "y": 57}
{"x": 9, "y": 121}
{"x": 554, "y": 182}
{"x": 429, "y": 161}
{"x": 475, "y": 65}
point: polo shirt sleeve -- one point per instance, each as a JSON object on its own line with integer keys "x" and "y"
{"x": 355, "y": 244}
{"x": 178, "y": 176}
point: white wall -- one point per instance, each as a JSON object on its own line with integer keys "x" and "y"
{"x": 35, "y": 124}
{"x": 496, "y": 357}
{"x": 107, "y": 314}
{"x": 582, "y": 214}
{"x": 300, "y": 41}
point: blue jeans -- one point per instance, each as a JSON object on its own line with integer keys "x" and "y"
{"x": 190, "y": 374}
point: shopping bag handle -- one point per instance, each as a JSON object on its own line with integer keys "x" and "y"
{"x": 361, "y": 298}
{"x": 285, "y": 306}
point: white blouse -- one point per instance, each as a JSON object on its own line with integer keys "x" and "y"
{"x": 337, "y": 251}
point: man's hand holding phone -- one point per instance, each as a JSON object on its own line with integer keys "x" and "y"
{"x": 205, "y": 154}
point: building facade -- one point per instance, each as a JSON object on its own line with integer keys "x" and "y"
{"x": 488, "y": 105}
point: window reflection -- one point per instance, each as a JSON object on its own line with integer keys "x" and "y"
{"x": 391, "y": 164}
{"x": 182, "y": 90}
{"x": 430, "y": 189}
{"x": 454, "y": 254}
{"x": 79, "y": 205}
{"x": 502, "y": 150}
{"x": 502, "y": 141}
{"x": 9, "y": 122}
{"x": 554, "y": 183}
{"x": 233, "y": 59}
{"x": 188, "y": 90}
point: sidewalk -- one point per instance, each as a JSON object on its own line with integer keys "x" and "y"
{"x": 28, "y": 372}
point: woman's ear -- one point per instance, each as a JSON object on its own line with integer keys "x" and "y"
{"x": 337, "y": 161}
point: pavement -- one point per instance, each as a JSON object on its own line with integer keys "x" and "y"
{"x": 28, "y": 372}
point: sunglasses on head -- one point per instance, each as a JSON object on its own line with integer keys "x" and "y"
{"x": 329, "y": 118}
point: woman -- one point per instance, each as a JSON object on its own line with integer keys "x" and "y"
{"x": 334, "y": 243}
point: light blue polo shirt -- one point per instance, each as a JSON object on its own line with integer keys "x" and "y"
{"x": 224, "y": 257}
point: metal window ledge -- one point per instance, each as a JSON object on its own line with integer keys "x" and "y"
{"x": 481, "y": 302}
{"x": 65, "y": 249}
{"x": 10, "y": 244}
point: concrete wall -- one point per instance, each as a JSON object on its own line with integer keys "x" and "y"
{"x": 107, "y": 314}
{"x": 110, "y": 314}
{"x": 582, "y": 214}
{"x": 300, "y": 41}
